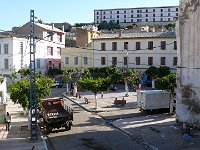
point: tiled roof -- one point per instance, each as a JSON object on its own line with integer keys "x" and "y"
{"x": 139, "y": 35}
{"x": 48, "y": 27}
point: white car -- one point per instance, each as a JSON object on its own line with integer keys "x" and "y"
{"x": 57, "y": 84}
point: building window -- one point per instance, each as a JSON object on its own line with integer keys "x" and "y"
{"x": 114, "y": 61}
{"x": 117, "y": 16}
{"x": 59, "y": 66}
{"x": 49, "y": 36}
{"x": 168, "y": 14}
{"x": 67, "y": 60}
{"x": 124, "y": 16}
{"x": 124, "y": 20}
{"x": 126, "y": 45}
{"x": 104, "y": 17}
{"x": 154, "y": 15}
{"x": 38, "y": 63}
{"x": 175, "y": 61}
{"x": 103, "y": 60}
{"x": 131, "y": 20}
{"x": 5, "y": 48}
{"x": 146, "y": 20}
{"x": 163, "y": 45}
{"x": 125, "y": 60}
{"x": 124, "y": 11}
{"x": 110, "y": 12}
{"x": 161, "y": 19}
{"x": 59, "y": 37}
{"x": 137, "y": 45}
{"x": 138, "y": 11}
{"x": 150, "y": 45}
{"x": 97, "y": 21}
{"x": 103, "y": 46}
{"x": 146, "y": 10}
{"x": 169, "y": 9}
{"x": 150, "y": 61}
{"x": 104, "y": 12}
{"x": 137, "y": 60}
{"x": 175, "y": 45}
{"x": 75, "y": 60}
{"x": 168, "y": 19}
{"x": 117, "y": 12}
{"x": 58, "y": 51}
{"x": 161, "y": 10}
{"x": 97, "y": 13}
{"x": 154, "y": 19}
{"x": 162, "y": 61}
{"x": 161, "y": 14}
{"x": 21, "y": 48}
{"x": 131, "y": 16}
{"x": 85, "y": 60}
{"x": 176, "y": 9}
{"x": 110, "y": 17}
{"x": 97, "y": 17}
{"x": 154, "y": 10}
{"x": 6, "y": 63}
{"x": 117, "y": 21}
{"x": 50, "y": 50}
{"x": 131, "y": 11}
{"x": 114, "y": 46}
{"x": 146, "y": 15}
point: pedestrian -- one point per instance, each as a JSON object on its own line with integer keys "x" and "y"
{"x": 101, "y": 94}
{"x": 7, "y": 119}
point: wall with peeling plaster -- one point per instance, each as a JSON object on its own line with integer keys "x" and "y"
{"x": 188, "y": 72}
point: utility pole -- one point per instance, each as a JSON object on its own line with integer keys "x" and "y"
{"x": 33, "y": 100}
{"x": 126, "y": 82}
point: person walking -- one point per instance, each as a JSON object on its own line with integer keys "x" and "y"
{"x": 7, "y": 121}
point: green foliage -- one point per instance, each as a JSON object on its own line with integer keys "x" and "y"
{"x": 152, "y": 71}
{"x": 167, "y": 82}
{"x": 71, "y": 75}
{"x": 109, "y": 26}
{"x": 70, "y": 43}
{"x": 54, "y": 72}
{"x": 158, "y": 72}
{"x": 163, "y": 71}
{"x": 95, "y": 85}
{"x": 170, "y": 26}
{"x": 20, "y": 90}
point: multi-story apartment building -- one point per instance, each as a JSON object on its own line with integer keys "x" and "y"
{"x": 142, "y": 15}
{"x": 15, "y": 49}
{"x": 135, "y": 50}
{"x": 49, "y": 42}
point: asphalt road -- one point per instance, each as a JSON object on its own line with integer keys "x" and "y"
{"x": 89, "y": 132}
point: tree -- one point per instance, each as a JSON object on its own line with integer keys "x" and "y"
{"x": 20, "y": 90}
{"x": 95, "y": 85}
{"x": 109, "y": 26}
{"x": 72, "y": 75}
{"x": 152, "y": 71}
{"x": 54, "y": 72}
{"x": 168, "y": 83}
{"x": 163, "y": 71}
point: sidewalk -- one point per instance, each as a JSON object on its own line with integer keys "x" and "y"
{"x": 18, "y": 136}
{"x": 156, "y": 131}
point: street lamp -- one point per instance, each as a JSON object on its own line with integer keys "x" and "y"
{"x": 126, "y": 81}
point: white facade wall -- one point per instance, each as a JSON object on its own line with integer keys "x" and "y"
{"x": 144, "y": 53}
{"x": 188, "y": 72}
{"x": 136, "y": 15}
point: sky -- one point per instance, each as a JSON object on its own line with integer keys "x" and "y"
{"x": 15, "y": 13}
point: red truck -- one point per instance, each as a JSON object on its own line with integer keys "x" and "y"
{"x": 56, "y": 114}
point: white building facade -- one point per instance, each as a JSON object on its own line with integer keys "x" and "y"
{"x": 135, "y": 50}
{"x": 161, "y": 15}
{"x": 15, "y": 49}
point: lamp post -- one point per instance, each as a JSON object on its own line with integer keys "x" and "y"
{"x": 126, "y": 81}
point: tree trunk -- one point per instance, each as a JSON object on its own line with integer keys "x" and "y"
{"x": 96, "y": 102}
{"x": 67, "y": 86}
{"x": 75, "y": 90}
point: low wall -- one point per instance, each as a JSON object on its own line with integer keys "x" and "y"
{"x": 2, "y": 112}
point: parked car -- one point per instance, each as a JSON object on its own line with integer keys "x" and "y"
{"x": 57, "y": 84}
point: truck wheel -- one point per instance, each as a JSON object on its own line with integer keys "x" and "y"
{"x": 49, "y": 129}
{"x": 68, "y": 126}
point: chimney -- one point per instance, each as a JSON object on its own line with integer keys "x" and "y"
{"x": 63, "y": 28}
{"x": 52, "y": 25}
{"x": 120, "y": 33}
